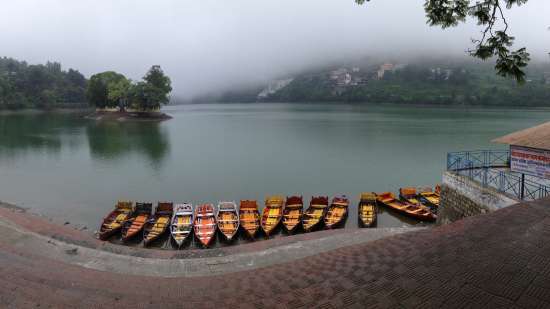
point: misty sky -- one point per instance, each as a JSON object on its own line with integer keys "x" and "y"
{"x": 208, "y": 45}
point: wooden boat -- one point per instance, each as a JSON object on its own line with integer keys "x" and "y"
{"x": 181, "y": 225}
{"x": 419, "y": 212}
{"x": 410, "y": 195}
{"x": 228, "y": 219}
{"x": 292, "y": 214}
{"x": 249, "y": 217}
{"x": 158, "y": 225}
{"x": 272, "y": 214}
{"x": 337, "y": 211}
{"x": 315, "y": 214}
{"x": 115, "y": 219}
{"x": 429, "y": 197}
{"x": 134, "y": 225}
{"x": 205, "y": 224}
{"x": 367, "y": 209}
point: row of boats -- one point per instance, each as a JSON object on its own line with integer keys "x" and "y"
{"x": 205, "y": 220}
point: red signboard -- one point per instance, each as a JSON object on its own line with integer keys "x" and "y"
{"x": 530, "y": 161}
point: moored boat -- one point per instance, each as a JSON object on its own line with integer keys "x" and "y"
{"x": 249, "y": 217}
{"x": 181, "y": 225}
{"x": 272, "y": 214}
{"x": 205, "y": 224}
{"x": 158, "y": 225}
{"x": 134, "y": 225}
{"x": 409, "y": 194}
{"x": 418, "y": 211}
{"x": 429, "y": 198}
{"x": 228, "y": 219}
{"x": 315, "y": 214}
{"x": 367, "y": 210}
{"x": 115, "y": 219}
{"x": 292, "y": 214}
{"x": 337, "y": 211}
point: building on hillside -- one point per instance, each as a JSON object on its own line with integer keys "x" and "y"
{"x": 383, "y": 68}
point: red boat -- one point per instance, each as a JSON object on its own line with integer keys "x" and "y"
{"x": 205, "y": 224}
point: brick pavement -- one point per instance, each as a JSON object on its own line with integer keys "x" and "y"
{"x": 498, "y": 260}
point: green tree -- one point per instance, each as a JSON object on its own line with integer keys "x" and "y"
{"x": 98, "y": 89}
{"x": 153, "y": 91}
{"x": 119, "y": 91}
{"x": 494, "y": 41}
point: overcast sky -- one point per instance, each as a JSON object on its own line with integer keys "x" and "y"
{"x": 205, "y": 45}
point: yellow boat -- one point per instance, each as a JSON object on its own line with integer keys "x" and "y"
{"x": 157, "y": 226}
{"x": 272, "y": 214}
{"x": 115, "y": 219}
{"x": 429, "y": 197}
{"x": 292, "y": 216}
{"x": 367, "y": 209}
{"x": 337, "y": 212}
{"x": 315, "y": 214}
{"x": 249, "y": 217}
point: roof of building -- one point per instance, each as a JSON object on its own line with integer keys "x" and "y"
{"x": 535, "y": 137}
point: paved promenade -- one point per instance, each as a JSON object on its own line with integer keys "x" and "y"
{"x": 499, "y": 260}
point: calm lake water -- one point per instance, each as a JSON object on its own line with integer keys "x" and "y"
{"x": 75, "y": 169}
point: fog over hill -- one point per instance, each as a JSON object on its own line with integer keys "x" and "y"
{"x": 209, "y": 45}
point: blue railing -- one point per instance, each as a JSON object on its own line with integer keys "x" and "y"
{"x": 487, "y": 167}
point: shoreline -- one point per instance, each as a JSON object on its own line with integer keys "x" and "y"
{"x": 127, "y": 116}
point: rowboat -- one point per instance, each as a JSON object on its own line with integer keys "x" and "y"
{"x": 134, "y": 225}
{"x": 409, "y": 195}
{"x": 337, "y": 211}
{"x": 315, "y": 214}
{"x": 429, "y": 198}
{"x": 181, "y": 225}
{"x": 249, "y": 217}
{"x": 115, "y": 219}
{"x": 419, "y": 212}
{"x": 292, "y": 214}
{"x": 272, "y": 214}
{"x": 228, "y": 219}
{"x": 205, "y": 224}
{"x": 367, "y": 209}
{"x": 159, "y": 224}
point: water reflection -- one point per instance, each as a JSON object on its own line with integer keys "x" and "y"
{"x": 115, "y": 140}
{"x": 43, "y": 133}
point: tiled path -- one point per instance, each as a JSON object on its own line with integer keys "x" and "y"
{"x": 500, "y": 260}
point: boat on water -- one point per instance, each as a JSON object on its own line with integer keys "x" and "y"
{"x": 228, "y": 219}
{"x": 337, "y": 212}
{"x": 409, "y": 194}
{"x": 159, "y": 223}
{"x": 205, "y": 224}
{"x": 181, "y": 225}
{"x": 314, "y": 215}
{"x": 429, "y": 197}
{"x": 134, "y": 225}
{"x": 272, "y": 214}
{"x": 115, "y": 219}
{"x": 249, "y": 217}
{"x": 367, "y": 210}
{"x": 416, "y": 211}
{"x": 292, "y": 214}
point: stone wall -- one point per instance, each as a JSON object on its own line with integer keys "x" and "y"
{"x": 462, "y": 197}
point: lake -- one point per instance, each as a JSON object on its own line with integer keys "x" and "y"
{"x": 75, "y": 169}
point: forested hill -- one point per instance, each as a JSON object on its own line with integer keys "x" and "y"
{"x": 25, "y": 85}
{"x": 421, "y": 82}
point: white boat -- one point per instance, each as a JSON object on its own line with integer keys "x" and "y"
{"x": 228, "y": 219}
{"x": 182, "y": 222}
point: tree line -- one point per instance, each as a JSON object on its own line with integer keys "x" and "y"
{"x": 44, "y": 86}
{"x": 39, "y": 85}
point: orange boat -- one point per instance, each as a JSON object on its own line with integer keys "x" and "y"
{"x": 315, "y": 213}
{"x": 135, "y": 224}
{"x": 292, "y": 215}
{"x": 418, "y": 211}
{"x": 272, "y": 214}
{"x": 205, "y": 224}
{"x": 337, "y": 212}
{"x": 249, "y": 217}
{"x": 158, "y": 225}
{"x": 115, "y": 219}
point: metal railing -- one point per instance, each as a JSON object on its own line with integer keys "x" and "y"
{"x": 483, "y": 166}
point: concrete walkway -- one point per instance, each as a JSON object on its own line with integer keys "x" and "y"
{"x": 498, "y": 260}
